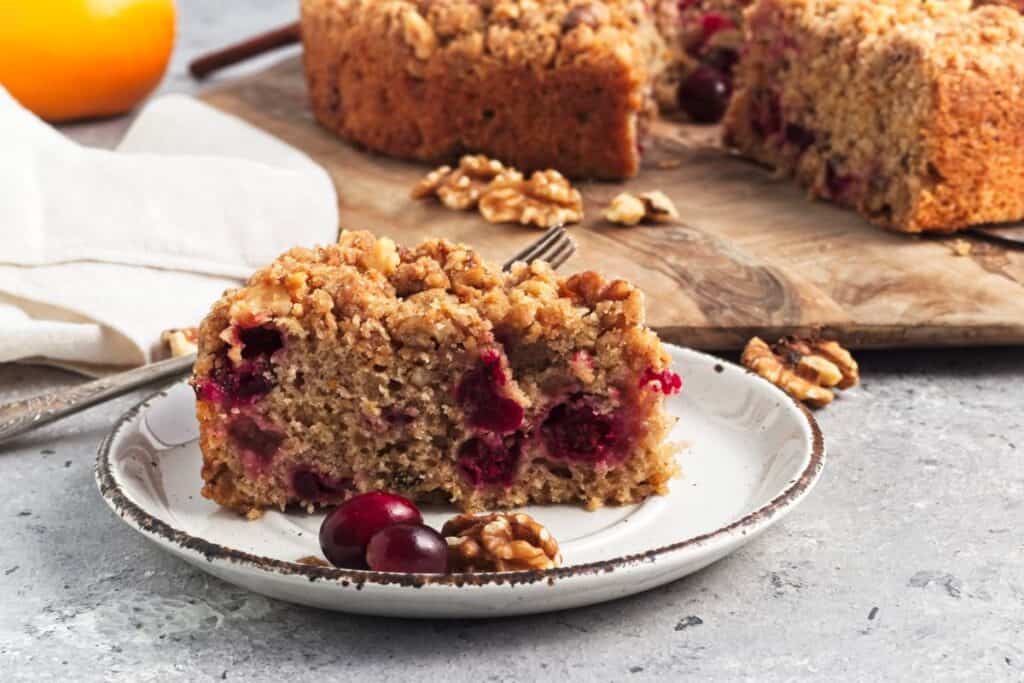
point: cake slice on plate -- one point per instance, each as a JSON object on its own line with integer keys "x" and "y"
{"x": 910, "y": 112}
{"x": 430, "y": 373}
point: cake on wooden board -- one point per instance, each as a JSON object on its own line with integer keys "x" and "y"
{"x": 910, "y": 112}
{"x": 554, "y": 84}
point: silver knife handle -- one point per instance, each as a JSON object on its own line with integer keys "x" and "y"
{"x": 25, "y": 415}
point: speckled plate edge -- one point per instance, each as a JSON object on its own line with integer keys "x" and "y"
{"x": 187, "y": 545}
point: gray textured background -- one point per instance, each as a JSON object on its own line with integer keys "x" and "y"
{"x": 906, "y": 563}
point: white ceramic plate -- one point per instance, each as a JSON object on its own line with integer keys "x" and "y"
{"x": 752, "y": 455}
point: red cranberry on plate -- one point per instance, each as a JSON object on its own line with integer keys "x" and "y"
{"x": 347, "y": 530}
{"x": 411, "y": 548}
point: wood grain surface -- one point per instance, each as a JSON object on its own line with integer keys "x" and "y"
{"x": 750, "y": 255}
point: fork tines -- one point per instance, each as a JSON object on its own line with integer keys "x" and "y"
{"x": 554, "y": 246}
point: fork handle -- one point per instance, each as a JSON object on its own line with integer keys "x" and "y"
{"x": 27, "y": 414}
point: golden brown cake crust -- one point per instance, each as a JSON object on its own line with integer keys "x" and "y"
{"x": 538, "y": 85}
{"x": 361, "y": 366}
{"x": 912, "y": 113}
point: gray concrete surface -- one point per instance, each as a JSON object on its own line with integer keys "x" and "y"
{"x": 906, "y": 563}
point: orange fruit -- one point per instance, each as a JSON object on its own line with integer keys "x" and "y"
{"x": 73, "y": 59}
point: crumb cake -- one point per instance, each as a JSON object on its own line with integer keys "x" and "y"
{"x": 553, "y": 84}
{"x": 910, "y": 112}
{"x": 427, "y": 372}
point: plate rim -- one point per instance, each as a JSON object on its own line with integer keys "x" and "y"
{"x": 184, "y": 543}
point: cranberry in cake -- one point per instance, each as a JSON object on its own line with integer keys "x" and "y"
{"x": 429, "y": 373}
{"x": 704, "y": 42}
{"x": 562, "y": 84}
{"x": 910, "y": 112}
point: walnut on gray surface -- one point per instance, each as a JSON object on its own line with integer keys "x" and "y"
{"x": 805, "y": 369}
{"x": 499, "y": 542}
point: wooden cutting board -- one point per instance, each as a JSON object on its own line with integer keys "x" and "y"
{"x": 751, "y": 255}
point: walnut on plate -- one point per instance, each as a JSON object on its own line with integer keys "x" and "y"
{"x": 499, "y": 542}
{"x": 806, "y": 369}
{"x": 462, "y": 187}
{"x": 630, "y": 209}
{"x": 181, "y": 342}
{"x": 545, "y": 200}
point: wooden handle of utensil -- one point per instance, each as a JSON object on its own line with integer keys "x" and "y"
{"x": 239, "y": 52}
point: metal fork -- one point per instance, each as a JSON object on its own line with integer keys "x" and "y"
{"x": 18, "y": 417}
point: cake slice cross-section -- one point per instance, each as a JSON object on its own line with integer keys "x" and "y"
{"x": 427, "y": 372}
{"x": 910, "y": 112}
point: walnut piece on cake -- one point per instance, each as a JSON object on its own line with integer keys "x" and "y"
{"x": 805, "y": 369}
{"x": 427, "y": 371}
{"x": 499, "y": 542}
{"x": 908, "y": 112}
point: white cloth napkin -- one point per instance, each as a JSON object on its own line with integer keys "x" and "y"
{"x": 100, "y": 251}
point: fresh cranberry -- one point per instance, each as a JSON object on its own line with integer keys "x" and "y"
{"x": 261, "y": 341}
{"x": 665, "y": 381}
{"x": 316, "y": 487}
{"x": 799, "y": 136}
{"x": 347, "y": 530}
{"x": 478, "y": 394}
{"x": 409, "y": 548}
{"x": 704, "y": 94}
{"x": 488, "y": 462}
{"x": 249, "y": 435}
{"x": 575, "y": 431}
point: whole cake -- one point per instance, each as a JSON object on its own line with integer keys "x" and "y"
{"x": 537, "y": 84}
{"x": 427, "y": 372}
{"x": 910, "y": 112}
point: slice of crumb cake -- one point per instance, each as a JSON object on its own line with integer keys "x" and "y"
{"x": 908, "y": 112}
{"x": 430, "y": 373}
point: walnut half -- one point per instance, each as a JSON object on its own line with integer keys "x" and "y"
{"x": 462, "y": 187}
{"x": 630, "y": 209}
{"x": 499, "y": 542}
{"x": 805, "y": 369}
{"x": 502, "y": 194}
{"x": 545, "y": 200}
